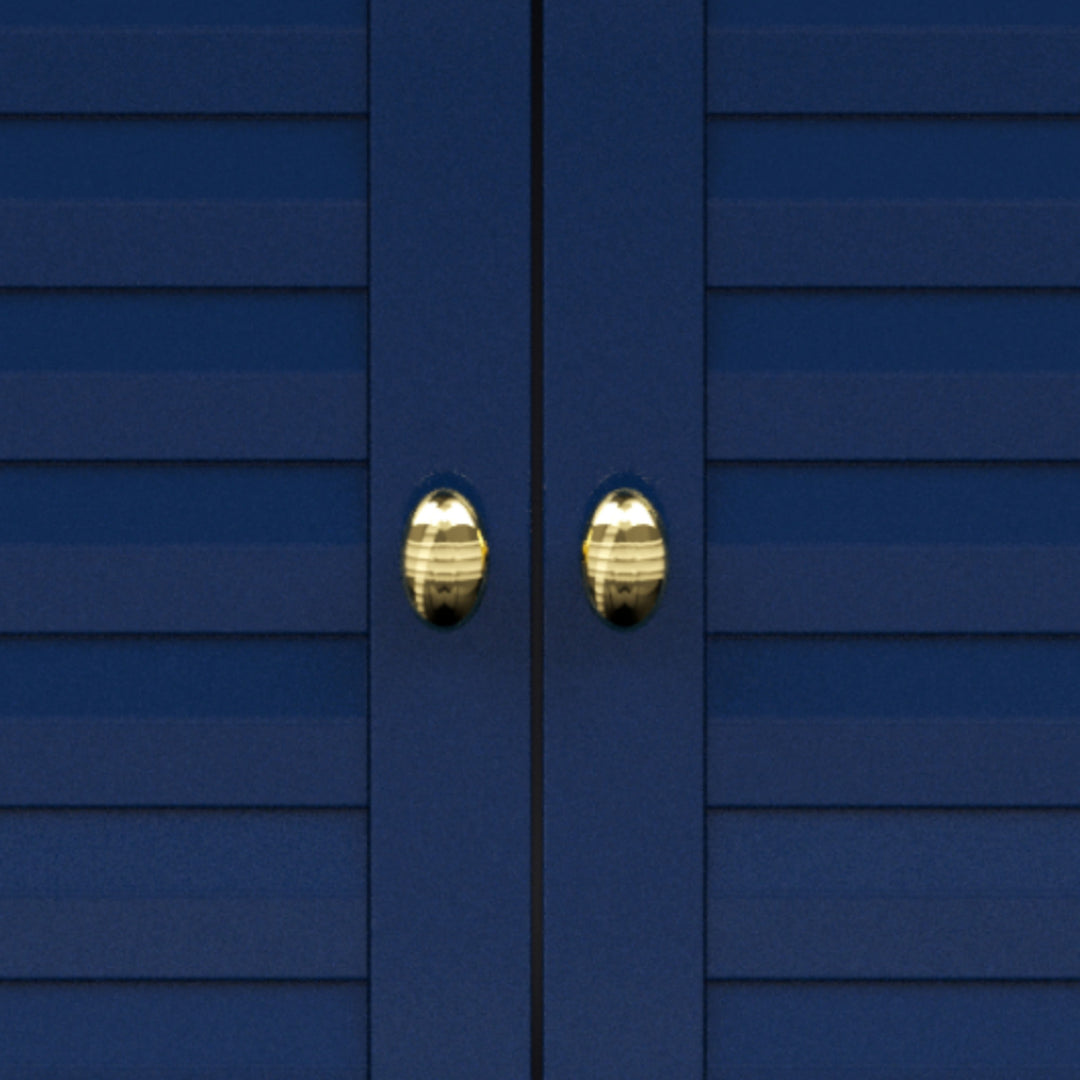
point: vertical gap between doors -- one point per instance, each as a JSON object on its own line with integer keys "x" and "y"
{"x": 536, "y": 554}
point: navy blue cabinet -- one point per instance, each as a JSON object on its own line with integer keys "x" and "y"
{"x": 272, "y": 270}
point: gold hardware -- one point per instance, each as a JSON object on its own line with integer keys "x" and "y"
{"x": 444, "y": 558}
{"x": 624, "y": 558}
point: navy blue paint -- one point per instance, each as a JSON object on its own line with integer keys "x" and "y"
{"x": 880, "y": 721}
{"x": 185, "y": 331}
{"x": 164, "y": 1031}
{"x": 885, "y": 243}
{"x": 149, "y": 158}
{"x": 151, "y": 894}
{"x": 167, "y": 13}
{"x": 881, "y": 1031}
{"x": 805, "y": 70}
{"x": 450, "y": 352}
{"x": 197, "y": 243}
{"x": 895, "y": 13}
{"x": 895, "y": 504}
{"x": 128, "y": 503}
{"x": 183, "y": 417}
{"x": 902, "y": 417}
{"x": 624, "y": 359}
{"x": 865, "y": 331}
{"x": 183, "y": 70}
{"x": 861, "y": 588}
{"x": 877, "y": 894}
{"x": 893, "y": 158}
{"x": 164, "y": 721}
{"x": 212, "y": 588}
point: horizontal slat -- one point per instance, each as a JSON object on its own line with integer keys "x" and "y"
{"x": 881, "y": 1031}
{"x": 858, "y": 588}
{"x": 183, "y": 158}
{"x": 893, "y": 416}
{"x": 183, "y": 763}
{"x": 835, "y": 13}
{"x": 183, "y": 70}
{"x": 171, "y": 416}
{"x": 312, "y": 588}
{"x": 893, "y": 158}
{"x": 183, "y": 894}
{"x": 902, "y": 721}
{"x": 183, "y": 244}
{"x": 894, "y": 503}
{"x": 894, "y": 70}
{"x": 165, "y": 503}
{"x": 163, "y": 1031}
{"x": 900, "y": 331}
{"x": 893, "y": 894}
{"x": 909, "y": 244}
{"x": 107, "y": 721}
{"x": 194, "y": 13}
{"x": 183, "y": 331}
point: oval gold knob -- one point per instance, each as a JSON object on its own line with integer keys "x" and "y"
{"x": 624, "y": 558}
{"x": 444, "y": 559}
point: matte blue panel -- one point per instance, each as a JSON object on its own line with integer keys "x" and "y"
{"x": 182, "y": 504}
{"x": 170, "y": 1031}
{"x": 894, "y": 721}
{"x": 902, "y": 12}
{"x": 183, "y": 159}
{"x": 915, "y": 331}
{"x": 861, "y": 588}
{"x": 881, "y": 417}
{"x": 897, "y": 1031}
{"x": 225, "y": 589}
{"x": 894, "y": 504}
{"x": 255, "y": 894}
{"x": 158, "y": 244}
{"x": 884, "y": 894}
{"x": 851, "y": 243}
{"x": 987, "y": 69}
{"x": 302, "y": 70}
{"x": 183, "y": 417}
{"x": 193, "y": 13}
{"x": 623, "y": 712}
{"x": 909, "y": 158}
{"x": 184, "y": 331}
{"x": 450, "y": 160}
{"x": 168, "y": 721}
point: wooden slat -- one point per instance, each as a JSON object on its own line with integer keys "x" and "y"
{"x": 183, "y": 70}
{"x": 894, "y": 894}
{"x": 169, "y": 1031}
{"x": 884, "y": 1031}
{"x": 295, "y": 416}
{"x": 158, "y": 244}
{"x": 183, "y": 894}
{"x": 920, "y": 243}
{"x": 861, "y": 588}
{"x": 284, "y": 588}
{"x": 987, "y": 416}
{"x": 895, "y": 70}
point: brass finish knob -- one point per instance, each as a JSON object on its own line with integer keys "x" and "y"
{"x": 444, "y": 558}
{"x": 624, "y": 558}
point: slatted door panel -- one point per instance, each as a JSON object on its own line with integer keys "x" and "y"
{"x": 894, "y": 553}
{"x": 183, "y": 723}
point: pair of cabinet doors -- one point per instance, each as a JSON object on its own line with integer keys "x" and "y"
{"x": 805, "y": 274}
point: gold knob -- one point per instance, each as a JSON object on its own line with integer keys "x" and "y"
{"x": 624, "y": 558}
{"x": 444, "y": 559}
